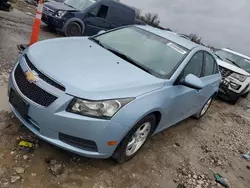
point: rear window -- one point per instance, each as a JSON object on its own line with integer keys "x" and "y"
{"x": 121, "y": 16}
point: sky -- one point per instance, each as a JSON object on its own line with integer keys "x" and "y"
{"x": 221, "y": 23}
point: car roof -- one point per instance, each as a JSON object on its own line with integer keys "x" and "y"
{"x": 116, "y": 3}
{"x": 236, "y": 53}
{"x": 171, "y": 36}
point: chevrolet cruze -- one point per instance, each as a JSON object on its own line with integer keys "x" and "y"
{"x": 104, "y": 96}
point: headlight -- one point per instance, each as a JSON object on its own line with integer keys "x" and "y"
{"x": 239, "y": 77}
{"x": 235, "y": 86}
{"x": 100, "y": 109}
{"x": 60, "y": 13}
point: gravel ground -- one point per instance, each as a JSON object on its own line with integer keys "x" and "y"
{"x": 179, "y": 156}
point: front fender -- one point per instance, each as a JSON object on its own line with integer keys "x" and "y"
{"x": 140, "y": 107}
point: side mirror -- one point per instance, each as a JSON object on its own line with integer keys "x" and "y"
{"x": 101, "y": 32}
{"x": 193, "y": 81}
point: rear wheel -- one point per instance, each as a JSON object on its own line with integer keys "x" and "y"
{"x": 135, "y": 139}
{"x": 73, "y": 29}
{"x": 204, "y": 109}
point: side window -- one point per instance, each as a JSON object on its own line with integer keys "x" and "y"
{"x": 95, "y": 10}
{"x": 194, "y": 66}
{"x": 103, "y": 11}
{"x": 210, "y": 66}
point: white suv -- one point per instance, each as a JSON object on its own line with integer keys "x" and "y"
{"x": 235, "y": 69}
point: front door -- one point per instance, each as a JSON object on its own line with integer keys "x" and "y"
{"x": 97, "y": 20}
{"x": 185, "y": 100}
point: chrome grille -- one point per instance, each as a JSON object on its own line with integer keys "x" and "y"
{"x": 225, "y": 72}
{"x": 43, "y": 76}
{"x": 31, "y": 90}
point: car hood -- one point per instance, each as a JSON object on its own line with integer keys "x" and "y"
{"x": 232, "y": 67}
{"x": 58, "y": 6}
{"x": 89, "y": 71}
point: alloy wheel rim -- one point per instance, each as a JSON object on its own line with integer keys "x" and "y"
{"x": 138, "y": 138}
{"x": 206, "y": 106}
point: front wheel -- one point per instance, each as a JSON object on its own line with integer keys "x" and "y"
{"x": 73, "y": 29}
{"x": 135, "y": 139}
{"x": 204, "y": 109}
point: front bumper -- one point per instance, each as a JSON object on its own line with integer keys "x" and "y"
{"x": 51, "y": 122}
{"x": 227, "y": 92}
{"x": 52, "y": 21}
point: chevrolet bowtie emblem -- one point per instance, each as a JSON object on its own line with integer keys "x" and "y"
{"x": 31, "y": 76}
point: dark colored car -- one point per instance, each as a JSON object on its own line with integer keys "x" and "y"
{"x": 86, "y": 17}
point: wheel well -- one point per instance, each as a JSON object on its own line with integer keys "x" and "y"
{"x": 157, "y": 114}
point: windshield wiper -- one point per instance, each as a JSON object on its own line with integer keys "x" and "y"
{"x": 98, "y": 42}
{"x": 130, "y": 60}
{"x": 121, "y": 55}
{"x": 218, "y": 56}
{"x": 233, "y": 62}
{"x": 69, "y": 5}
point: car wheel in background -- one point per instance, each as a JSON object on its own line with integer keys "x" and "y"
{"x": 73, "y": 29}
{"x": 204, "y": 109}
{"x": 234, "y": 100}
{"x": 135, "y": 139}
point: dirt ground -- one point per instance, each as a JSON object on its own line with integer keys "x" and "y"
{"x": 180, "y": 155}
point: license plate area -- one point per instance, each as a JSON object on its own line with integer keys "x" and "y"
{"x": 17, "y": 102}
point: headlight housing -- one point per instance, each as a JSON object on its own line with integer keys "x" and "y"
{"x": 234, "y": 85}
{"x": 105, "y": 109}
{"x": 60, "y": 13}
{"x": 239, "y": 77}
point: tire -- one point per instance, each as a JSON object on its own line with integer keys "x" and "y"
{"x": 234, "y": 101}
{"x": 124, "y": 152}
{"x": 245, "y": 95}
{"x": 204, "y": 109}
{"x": 73, "y": 29}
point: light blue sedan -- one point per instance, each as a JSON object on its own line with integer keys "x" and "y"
{"x": 103, "y": 96}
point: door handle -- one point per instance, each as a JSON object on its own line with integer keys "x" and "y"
{"x": 213, "y": 84}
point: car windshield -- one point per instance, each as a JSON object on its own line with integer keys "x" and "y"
{"x": 148, "y": 51}
{"x": 234, "y": 59}
{"x": 79, "y": 4}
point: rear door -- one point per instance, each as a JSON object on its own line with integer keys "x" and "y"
{"x": 97, "y": 19}
{"x": 121, "y": 15}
